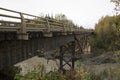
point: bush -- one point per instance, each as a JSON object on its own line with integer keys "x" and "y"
{"x": 80, "y": 73}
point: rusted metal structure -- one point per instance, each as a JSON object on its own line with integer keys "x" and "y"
{"x": 23, "y": 40}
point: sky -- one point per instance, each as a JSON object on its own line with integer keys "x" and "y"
{"x": 84, "y": 13}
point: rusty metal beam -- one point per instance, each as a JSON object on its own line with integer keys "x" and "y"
{"x": 70, "y": 60}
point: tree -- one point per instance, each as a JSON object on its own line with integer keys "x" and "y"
{"x": 67, "y": 22}
{"x": 60, "y": 17}
{"x": 107, "y": 33}
{"x": 117, "y": 5}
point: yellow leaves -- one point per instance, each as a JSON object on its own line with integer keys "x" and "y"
{"x": 117, "y": 56}
{"x": 81, "y": 73}
{"x": 108, "y": 33}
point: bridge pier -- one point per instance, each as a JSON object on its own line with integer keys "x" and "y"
{"x": 67, "y": 56}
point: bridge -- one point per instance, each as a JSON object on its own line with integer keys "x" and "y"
{"x": 27, "y": 37}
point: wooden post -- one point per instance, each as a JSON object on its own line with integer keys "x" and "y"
{"x": 23, "y": 26}
{"x": 22, "y": 34}
{"x": 64, "y": 28}
{"x": 48, "y": 25}
{"x": 47, "y": 33}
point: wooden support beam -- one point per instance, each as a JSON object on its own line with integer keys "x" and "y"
{"x": 48, "y": 25}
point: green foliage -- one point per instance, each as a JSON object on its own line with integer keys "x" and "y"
{"x": 9, "y": 73}
{"x": 107, "y": 34}
{"x": 55, "y": 76}
{"x": 37, "y": 74}
{"x": 82, "y": 72}
{"x": 85, "y": 73}
{"x": 117, "y": 56}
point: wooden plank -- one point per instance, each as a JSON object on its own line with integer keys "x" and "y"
{"x": 3, "y": 21}
{"x": 4, "y": 15}
{"x": 53, "y": 23}
{"x": 3, "y": 28}
{"x": 32, "y": 24}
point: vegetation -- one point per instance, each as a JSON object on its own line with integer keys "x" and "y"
{"x": 106, "y": 38}
{"x": 117, "y": 5}
{"x": 9, "y": 73}
{"x": 107, "y": 34}
{"x": 80, "y": 73}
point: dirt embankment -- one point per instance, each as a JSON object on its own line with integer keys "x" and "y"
{"x": 99, "y": 63}
{"x": 108, "y": 57}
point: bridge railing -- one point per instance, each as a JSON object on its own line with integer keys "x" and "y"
{"x": 35, "y": 24}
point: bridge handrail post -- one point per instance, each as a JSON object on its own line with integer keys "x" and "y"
{"x": 64, "y": 28}
{"x": 23, "y": 26}
{"x": 48, "y": 25}
{"x": 47, "y": 32}
{"x": 22, "y": 33}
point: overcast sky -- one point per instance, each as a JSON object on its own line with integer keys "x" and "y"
{"x": 82, "y": 12}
